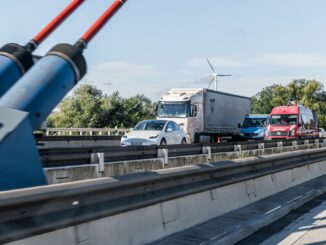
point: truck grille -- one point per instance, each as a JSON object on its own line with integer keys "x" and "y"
{"x": 279, "y": 133}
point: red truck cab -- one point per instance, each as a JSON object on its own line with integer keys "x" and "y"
{"x": 290, "y": 122}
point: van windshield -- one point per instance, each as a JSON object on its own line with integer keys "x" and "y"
{"x": 254, "y": 122}
{"x": 283, "y": 119}
{"x": 173, "y": 110}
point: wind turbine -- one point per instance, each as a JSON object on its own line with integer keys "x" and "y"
{"x": 215, "y": 75}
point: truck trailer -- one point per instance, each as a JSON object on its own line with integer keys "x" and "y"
{"x": 204, "y": 114}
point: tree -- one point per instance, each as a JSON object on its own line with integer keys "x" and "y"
{"x": 308, "y": 92}
{"x": 261, "y": 103}
{"x": 89, "y": 107}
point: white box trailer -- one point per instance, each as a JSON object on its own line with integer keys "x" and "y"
{"x": 204, "y": 113}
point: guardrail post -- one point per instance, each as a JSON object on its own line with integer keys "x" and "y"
{"x": 317, "y": 143}
{"x": 207, "y": 150}
{"x": 237, "y": 148}
{"x": 295, "y": 144}
{"x": 98, "y": 158}
{"x": 163, "y": 153}
{"x": 280, "y": 145}
{"x": 306, "y": 142}
{"x": 324, "y": 142}
{"x": 261, "y": 146}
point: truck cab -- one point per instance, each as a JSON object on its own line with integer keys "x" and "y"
{"x": 291, "y": 121}
{"x": 253, "y": 127}
{"x": 184, "y": 106}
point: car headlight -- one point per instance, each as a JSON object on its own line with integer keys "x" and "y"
{"x": 292, "y": 132}
{"x": 241, "y": 134}
{"x": 125, "y": 136}
{"x": 154, "y": 137}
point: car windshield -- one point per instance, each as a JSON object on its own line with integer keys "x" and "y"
{"x": 150, "y": 125}
{"x": 254, "y": 122}
{"x": 283, "y": 119}
{"x": 173, "y": 110}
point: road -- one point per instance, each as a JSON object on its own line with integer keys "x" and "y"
{"x": 305, "y": 225}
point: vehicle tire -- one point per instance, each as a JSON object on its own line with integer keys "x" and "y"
{"x": 196, "y": 138}
{"x": 183, "y": 141}
{"x": 163, "y": 142}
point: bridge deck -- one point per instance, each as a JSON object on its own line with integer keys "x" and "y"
{"x": 236, "y": 225}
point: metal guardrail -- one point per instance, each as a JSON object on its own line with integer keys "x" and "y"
{"x": 85, "y": 131}
{"x": 34, "y": 211}
{"x": 42, "y": 138}
{"x": 55, "y": 157}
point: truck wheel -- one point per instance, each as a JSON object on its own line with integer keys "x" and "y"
{"x": 163, "y": 142}
{"x": 196, "y": 138}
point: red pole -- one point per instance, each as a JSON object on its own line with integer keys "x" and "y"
{"x": 96, "y": 27}
{"x": 57, "y": 21}
{"x": 49, "y": 28}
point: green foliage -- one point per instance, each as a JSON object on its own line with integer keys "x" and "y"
{"x": 308, "y": 92}
{"x": 89, "y": 107}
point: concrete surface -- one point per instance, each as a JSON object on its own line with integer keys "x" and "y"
{"x": 151, "y": 223}
{"x": 238, "y": 224}
{"x": 308, "y": 229}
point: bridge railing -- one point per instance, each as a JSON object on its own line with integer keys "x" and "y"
{"x": 85, "y": 131}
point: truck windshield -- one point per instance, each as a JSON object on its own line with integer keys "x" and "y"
{"x": 283, "y": 119}
{"x": 254, "y": 122}
{"x": 173, "y": 110}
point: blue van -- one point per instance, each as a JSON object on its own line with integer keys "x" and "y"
{"x": 254, "y": 126}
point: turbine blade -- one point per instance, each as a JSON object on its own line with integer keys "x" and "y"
{"x": 213, "y": 78}
{"x": 222, "y": 75}
{"x": 210, "y": 65}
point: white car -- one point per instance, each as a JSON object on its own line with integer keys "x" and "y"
{"x": 322, "y": 133}
{"x": 155, "y": 132}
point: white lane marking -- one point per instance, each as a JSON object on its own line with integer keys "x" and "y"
{"x": 273, "y": 209}
{"x": 213, "y": 238}
{"x": 75, "y": 203}
{"x": 309, "y": 192}
{"x": 202, "y": 243}
{"x": 296, "y": 198}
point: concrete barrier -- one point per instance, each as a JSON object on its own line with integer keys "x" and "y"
{"x": 75, "y": 173}
{"x": 151, "y": 223}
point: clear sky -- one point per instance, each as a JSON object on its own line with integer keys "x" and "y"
{"x": 153, "y": 45}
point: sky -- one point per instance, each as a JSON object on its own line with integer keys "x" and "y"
{"x": 150, "y": 46}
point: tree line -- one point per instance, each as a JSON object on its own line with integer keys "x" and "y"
{"x": 88, "y": 107}
{"x": 310, "y": 93}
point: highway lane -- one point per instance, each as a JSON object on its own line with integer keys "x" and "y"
{"x": 309, "y": 228}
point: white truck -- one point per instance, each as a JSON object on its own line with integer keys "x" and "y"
{"x": 204, "y": 114}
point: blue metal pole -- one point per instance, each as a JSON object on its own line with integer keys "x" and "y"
{"x": 9, "y": 73}
{"x": 46, "y": 83}
{"x": 15, "y": 60}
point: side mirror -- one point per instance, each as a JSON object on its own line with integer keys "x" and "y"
{"x": 193, "y": 110}
{"x": 239, "y": 125}
{"x": 299, "y": 124}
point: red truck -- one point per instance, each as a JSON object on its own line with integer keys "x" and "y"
{"x": 291, "y": 121}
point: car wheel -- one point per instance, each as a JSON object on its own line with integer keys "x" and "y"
{"x": 163, "y": 142}
{"x": 183, "y": 141}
